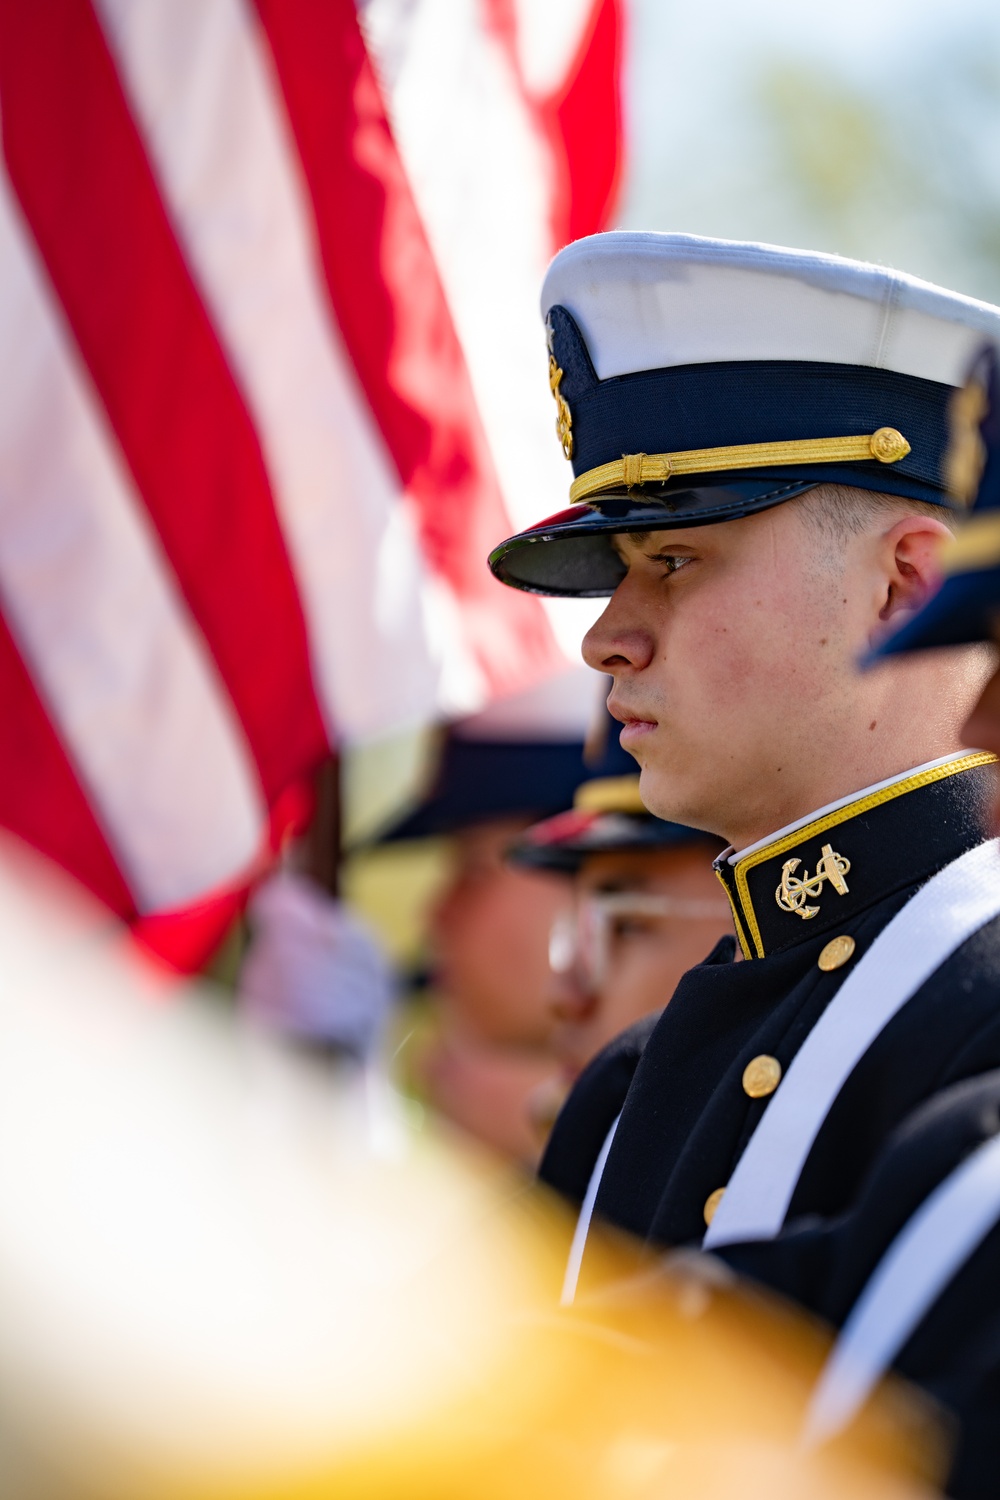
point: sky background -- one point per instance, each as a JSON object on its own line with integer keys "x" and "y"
{"x": 869, "y": 128}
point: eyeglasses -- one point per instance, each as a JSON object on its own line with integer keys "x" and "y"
{"x": 582, "y": 938}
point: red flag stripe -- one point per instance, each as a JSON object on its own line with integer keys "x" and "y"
{"x": 202, "y": 90}
{"x": 86, "y": 188}
{"x": 586, "y": 118}
{"x": 41, "y": 799}
{"x": 581, "y": 119}
{"x": 130, "y": 688}
{"x": 392, "y": 312}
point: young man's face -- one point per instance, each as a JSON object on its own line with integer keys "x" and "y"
{"x": 733, "y": 648}
{"x": 642, "y": 918}
{"x": 489, "y": 933}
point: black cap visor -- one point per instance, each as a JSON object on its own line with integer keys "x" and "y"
{"x": 563, "y": 844}
{"x": 571, "y": 554}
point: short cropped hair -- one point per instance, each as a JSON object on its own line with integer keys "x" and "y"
{"x": 842, "y": 510}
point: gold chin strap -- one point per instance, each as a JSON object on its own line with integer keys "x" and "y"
{"x": 886, "y": 445}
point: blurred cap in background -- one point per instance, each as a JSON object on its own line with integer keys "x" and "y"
{"x": 606, "y": 813}
{"x": 521, "y": 757}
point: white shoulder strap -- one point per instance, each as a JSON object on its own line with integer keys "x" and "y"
{"x": 919, "y": 1264}
{"x": 946, "y": 911}
{"x": 579, "y": 1244}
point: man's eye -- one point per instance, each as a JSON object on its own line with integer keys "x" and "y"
{"x": 669, "y": 563}
{"x": 629, "y": 927}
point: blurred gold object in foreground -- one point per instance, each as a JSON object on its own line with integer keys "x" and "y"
{"x": 227, "y": 1275}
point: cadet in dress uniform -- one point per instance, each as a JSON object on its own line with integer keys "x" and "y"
{"x": 912, "y": 1272}
{"x": 481, "y": 1050}
{"x": 646, "y": 907}
{"x": 757, "y": 437}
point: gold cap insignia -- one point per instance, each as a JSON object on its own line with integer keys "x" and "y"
{"x": 965, "y": 458}
{"x": 564, "y": 417}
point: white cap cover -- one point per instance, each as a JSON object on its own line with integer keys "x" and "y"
{"x": 651, "y": 301}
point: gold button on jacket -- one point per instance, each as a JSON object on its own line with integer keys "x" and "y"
{"x": 711, "y": 1204}
{"x": 761, "y": 1076}
{"x": 836, "y": 953}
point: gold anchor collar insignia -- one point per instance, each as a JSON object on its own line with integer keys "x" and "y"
{"x": 794, "y": 892}
{"x": 820, "y": 874}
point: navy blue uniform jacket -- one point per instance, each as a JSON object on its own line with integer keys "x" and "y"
{"x": 678, "y": 1079}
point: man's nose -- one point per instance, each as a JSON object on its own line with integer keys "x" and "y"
{"x": 570, "y": 995}
{"x": 573, "y": 1004}
{"x": 617, "y": 641}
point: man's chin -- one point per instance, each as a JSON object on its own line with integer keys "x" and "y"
{"x": 659, "y": 792}
{"x": 666, "y": 795}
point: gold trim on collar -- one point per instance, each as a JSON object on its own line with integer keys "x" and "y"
{"x": 609, "y": 794}
{"x": 744, "y": 946}
{"x": 886, "y": 445}
{"x": 831, "y": 820}
{"x": 976, "y": 546}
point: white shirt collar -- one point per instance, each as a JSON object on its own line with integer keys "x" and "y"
{"x": 732, "y": 856}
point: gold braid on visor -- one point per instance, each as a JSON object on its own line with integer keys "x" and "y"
{"x": 886, "y": 445}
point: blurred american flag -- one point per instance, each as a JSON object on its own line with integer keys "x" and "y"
{"x": 271, "y": 386}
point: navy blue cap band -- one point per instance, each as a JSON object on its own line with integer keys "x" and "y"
{"x": 725, "y": 404}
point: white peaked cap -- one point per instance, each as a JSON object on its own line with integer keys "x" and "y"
{"x": 653, "y": 301}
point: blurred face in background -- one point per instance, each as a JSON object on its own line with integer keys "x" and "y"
{"x": 492, "y": 1054}
{"x": 640, "y": 920}
{"x": 489, "y": 932}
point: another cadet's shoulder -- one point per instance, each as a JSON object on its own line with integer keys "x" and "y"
{"x": 979, "y": 956}
{"x": 968, "y": 1023}
{"x": 594, "y": 1103}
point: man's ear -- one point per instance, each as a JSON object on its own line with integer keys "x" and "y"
{"x": 910, "y": 554}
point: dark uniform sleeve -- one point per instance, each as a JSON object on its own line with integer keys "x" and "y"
{"x": 596, "y": 1101}
{"x": 593, "y": 1105}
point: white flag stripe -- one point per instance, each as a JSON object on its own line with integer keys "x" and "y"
{"x": 207, "y": 103}
{"x": 549, "y": 38}
{"x": 485, "y": 197}
{"x": 91, "y": 600}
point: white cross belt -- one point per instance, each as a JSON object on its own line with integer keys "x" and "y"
{"x": 923, "y": 1258}
{"x": 942, "y": 915}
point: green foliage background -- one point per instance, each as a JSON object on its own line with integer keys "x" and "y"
{"x": 869, "y": 130}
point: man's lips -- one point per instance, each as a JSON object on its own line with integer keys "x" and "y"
{"x": 634, "y": 730}
{"x": 634, "y": 726}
